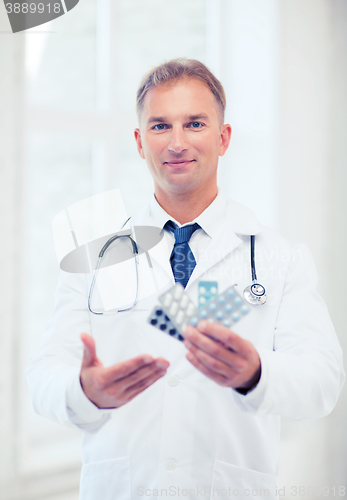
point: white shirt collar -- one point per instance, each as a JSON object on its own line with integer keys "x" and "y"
{"x": 207, "y": 219}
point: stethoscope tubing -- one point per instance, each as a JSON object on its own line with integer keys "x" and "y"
{"x": 254, "y": 294}
{"x": 101, "y": 254}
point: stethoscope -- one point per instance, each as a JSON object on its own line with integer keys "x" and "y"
{"x": 254, "y": 294}
{"x": 97, "y": 267}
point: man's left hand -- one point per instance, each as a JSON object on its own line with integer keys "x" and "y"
{"x": 222, "y": 355}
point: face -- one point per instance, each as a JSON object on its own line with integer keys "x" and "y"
{"x": 181, "y": 137}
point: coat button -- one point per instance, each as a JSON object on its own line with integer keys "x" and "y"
{"x": 172, "y": 381}
{"x": 170, "y": 465}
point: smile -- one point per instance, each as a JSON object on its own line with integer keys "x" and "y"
{"x": 178, "y": 163}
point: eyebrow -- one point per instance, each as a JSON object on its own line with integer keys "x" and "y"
{"x": 201, "y": 116}
{"x": 161, "y": 119}
{"x": 157, "y": 119}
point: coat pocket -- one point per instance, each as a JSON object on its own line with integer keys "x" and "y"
{"x": 106, "y": 480}
{"x": 230, "y": 481}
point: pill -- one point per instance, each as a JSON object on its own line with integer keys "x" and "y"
{"x": 172, "y": 331}
{"x": 178, "y": 292}
{"x": 190, "y": 310}
{"x": 203, "y": 314}
{"x": 167, "y": 300}
{"x": 202, "y": 290}
{"x": 194, "y": 321}
{"x": 154, "y": 321}
{"x": 237, "y": 301}
{"x": 228, "y": 308}
{"x": 162, "y": 326}
{"x": 231, "y": 292}
{"x": 244, "y": 309}
{"x": 219, "y": 315}
{"x": 179, "y": 317}
{"x": 213, "y": 290}
{"x": 212, "y": 307}
{"x": 184, "y": 301}
{"x": 202, "y": 300}
{"x": 173, "y": 309}
{"x": 221, "y": 299}
{"x": 226, "y": 322}
{"x": 235, "y": 316}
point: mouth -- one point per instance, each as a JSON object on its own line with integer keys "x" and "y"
{"x": 178, "y": 163}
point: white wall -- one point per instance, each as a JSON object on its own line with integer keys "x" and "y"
{"x": 242, "y": 49}
{"x": 11, "y": 143}
{"x": 312, "y": 183}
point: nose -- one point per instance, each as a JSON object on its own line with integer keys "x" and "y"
{"x": 178, "y": 141}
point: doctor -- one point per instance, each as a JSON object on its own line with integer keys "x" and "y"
{"x": 200, "y": 418}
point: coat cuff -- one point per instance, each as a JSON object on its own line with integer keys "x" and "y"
{"x": 255, "y": 401}
{"x": 80, "y": 409}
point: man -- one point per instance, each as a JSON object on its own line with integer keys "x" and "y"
{"x": 199, "y": 418}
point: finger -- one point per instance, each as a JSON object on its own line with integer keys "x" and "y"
{"x": 219, "y": 379}
{"x": 220, "y": 360}
{"x": 224, "y": 335}
{"x": 126, "y": 368}
{"x": 218, "y": 366}
{"x": 141, "y": 374}
{"x": 213, "y": 347}
{"x": 89, "y": 352}
{"x": 140, "y": 386}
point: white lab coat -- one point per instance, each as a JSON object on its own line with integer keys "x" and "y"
{"x": 186, "y": 435}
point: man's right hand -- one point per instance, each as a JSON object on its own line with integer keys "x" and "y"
{"x": 114, "y": 386}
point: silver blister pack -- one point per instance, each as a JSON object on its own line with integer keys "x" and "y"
{"x": 179, "y": 307}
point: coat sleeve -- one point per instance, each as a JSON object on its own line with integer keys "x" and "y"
{"x": 53, "y": 370}
{"x": 303, "y": 375}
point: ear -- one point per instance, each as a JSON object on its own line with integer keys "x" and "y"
{"x": 224, "y": 138}
{"x": 137, "y": 135}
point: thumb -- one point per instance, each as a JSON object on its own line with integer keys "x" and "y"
{"x": 89, "y": 353}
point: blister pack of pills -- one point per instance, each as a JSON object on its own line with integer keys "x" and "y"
{"x": 226, "y": 308}
{"x": 178, "y": 310}
{"x": 179, "y": 307}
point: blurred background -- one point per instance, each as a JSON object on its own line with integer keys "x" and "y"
{"x": 67, "y": 115}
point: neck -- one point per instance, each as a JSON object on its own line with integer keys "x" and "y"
{"x": 185, "y": 207}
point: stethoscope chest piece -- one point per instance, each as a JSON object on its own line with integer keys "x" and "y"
{"x": 255, "y": 294}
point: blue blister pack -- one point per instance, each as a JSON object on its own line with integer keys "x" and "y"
{"x": 226, "y": 308}
{"x": 177, "y": 310}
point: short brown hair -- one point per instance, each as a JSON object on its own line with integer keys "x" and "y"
{"x": 177, "y": 69}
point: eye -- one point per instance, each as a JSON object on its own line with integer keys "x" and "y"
{"x": 196, "y": 124}
{"x": 159, "y": 126}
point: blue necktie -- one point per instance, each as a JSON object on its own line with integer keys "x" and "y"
{"x": 182, "y": 258}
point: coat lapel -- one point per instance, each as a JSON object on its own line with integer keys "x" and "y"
{"x": 160, "y": 253}
{"x": 239, "y": 220}
{"x": 217, "y": 249}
